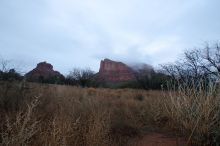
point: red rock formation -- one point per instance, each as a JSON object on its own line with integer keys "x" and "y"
{"x": 44, "y": 71}
{"x": 113, "y": 71}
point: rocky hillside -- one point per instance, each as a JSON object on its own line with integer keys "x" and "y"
{"x": 44, "y": 71}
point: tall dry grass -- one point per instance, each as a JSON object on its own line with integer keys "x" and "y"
{"x": 54, "y": 115}
{"x": 65, "y": 115}
{"x": 194, "y": 110}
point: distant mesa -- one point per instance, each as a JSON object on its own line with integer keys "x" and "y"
{"x": 113, "y": 71}
{"x": 110, "y": 71}
{"x": 44, "y": 71}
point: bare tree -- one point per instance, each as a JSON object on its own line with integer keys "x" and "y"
{"x": 4, "y": 65}
{"x": 82, "y": 77}
{"x": 196, "y": 65}
{"x": 7, "y": 72}
{"x": 211, "y": 55}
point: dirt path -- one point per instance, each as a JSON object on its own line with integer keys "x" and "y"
{"x": 159, "y": 139}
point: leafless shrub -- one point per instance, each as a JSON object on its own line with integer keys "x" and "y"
{"x": 195, "y": 112}
{"x": 21, "y": 129}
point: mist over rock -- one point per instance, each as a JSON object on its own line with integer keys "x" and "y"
{"x": 141, "y": 66}
{"x": 113, "y": 71}
{"x": 44, "y": 72}
{"x": 142, "y": 69}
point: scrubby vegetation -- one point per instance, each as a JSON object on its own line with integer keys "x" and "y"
{"x": 43, "y": 114}
{"x": 37, "y": 114}
{"x": 8, "y": 73}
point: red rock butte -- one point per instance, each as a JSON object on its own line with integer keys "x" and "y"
{"x": 113, "y": 71}
{"x": 45, "y": 70}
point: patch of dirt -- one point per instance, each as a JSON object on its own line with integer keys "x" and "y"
{"x": 159, "y": 139}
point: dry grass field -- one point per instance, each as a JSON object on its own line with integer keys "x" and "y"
{"x": 55, "y": 115}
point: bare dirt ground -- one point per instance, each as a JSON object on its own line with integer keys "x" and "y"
{"x": 160, "y": 139}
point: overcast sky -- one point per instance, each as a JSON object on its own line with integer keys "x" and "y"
{"x": 79, "y": 33}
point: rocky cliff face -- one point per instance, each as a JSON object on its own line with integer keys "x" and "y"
{"x": 113, "y": 71}
{"x": 43, "y": 71}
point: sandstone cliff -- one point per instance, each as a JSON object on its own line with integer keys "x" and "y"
{"x": 113, "y": 71}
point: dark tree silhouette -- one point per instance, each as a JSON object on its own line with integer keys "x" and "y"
{"x": 80, "y": 77}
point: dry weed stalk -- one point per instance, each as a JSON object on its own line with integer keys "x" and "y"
{"x": 194, "y": 109}
{"x": 20, "y": 130}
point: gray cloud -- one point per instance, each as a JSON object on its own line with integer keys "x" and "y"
{"x": 78, "y": 33}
